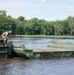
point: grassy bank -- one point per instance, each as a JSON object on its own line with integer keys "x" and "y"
{"x": 43, "y": 36}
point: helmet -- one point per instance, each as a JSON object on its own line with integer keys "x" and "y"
{"x": 9, "y": 31}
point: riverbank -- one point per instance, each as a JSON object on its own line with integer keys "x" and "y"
{"x": 44, "y": 36}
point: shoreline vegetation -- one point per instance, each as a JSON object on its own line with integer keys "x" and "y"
{"x": 44, "y": 36}
{"x": 36, "y": 27}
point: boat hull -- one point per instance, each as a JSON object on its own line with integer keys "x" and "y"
{"x": 21, "y": 52}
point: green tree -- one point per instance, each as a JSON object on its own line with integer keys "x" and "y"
{"x": 3, "y": 12}
{"x": 71, "y": 25}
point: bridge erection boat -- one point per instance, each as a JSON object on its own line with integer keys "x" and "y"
{"x": 21, "y": 51}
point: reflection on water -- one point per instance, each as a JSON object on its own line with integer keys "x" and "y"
{"x": 64, "y": 66}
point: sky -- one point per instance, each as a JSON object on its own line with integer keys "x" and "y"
{"x": 49, "y": 10}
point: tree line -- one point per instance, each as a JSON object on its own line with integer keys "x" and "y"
{"x": 35, "y": 26}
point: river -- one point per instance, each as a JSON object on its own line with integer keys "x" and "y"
{"x": 21, "y": 66}
{"x": 38, "y": 42}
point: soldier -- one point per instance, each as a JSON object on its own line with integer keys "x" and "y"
{"x": 5, "y": 36}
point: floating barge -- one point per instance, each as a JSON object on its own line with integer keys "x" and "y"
{"x": 33, "y": 52}
{"x": 51, "y": 52}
